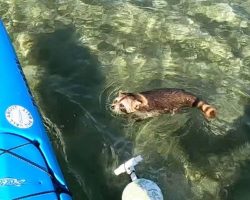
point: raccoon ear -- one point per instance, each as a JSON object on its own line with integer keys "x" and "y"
{"x": 142, "y": 99}
{"x": 137, "y": 105}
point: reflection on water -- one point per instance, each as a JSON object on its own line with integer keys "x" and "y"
{"x": 78, "y": 54}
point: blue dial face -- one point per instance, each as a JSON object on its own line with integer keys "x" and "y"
{"x": 19, "y": 116}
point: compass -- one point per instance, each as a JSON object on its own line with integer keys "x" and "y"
{"x": 19, "y": 116}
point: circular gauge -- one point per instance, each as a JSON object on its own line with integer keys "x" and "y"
{"x": 19, "y": 116}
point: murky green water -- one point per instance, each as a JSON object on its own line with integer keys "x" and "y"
{"x": 78, "y": 54}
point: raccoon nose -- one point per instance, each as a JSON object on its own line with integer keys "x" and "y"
{"x": 112, "y": 107}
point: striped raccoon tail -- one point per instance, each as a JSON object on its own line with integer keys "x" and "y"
{"x": 208, "y": 110}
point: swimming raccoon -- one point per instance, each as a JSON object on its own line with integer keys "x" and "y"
{"x": 155, "y": 102}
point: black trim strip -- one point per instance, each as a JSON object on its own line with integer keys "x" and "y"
{"x": 35, "y": 194}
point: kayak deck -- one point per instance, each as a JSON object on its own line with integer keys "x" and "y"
{"x": 28, "y": 167}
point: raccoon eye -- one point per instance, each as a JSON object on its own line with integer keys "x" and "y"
{"x": 137, "y": 107}
{"x": 122, "y": 108}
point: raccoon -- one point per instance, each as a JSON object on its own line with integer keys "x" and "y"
{"x": 159, "y": 101}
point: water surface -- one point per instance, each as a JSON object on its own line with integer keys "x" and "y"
{"x": 77, "y": 55}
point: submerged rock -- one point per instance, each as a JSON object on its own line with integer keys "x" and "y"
{"x": 220, "y": 12}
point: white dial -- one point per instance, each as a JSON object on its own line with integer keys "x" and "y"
{"x": 19, "y": 116}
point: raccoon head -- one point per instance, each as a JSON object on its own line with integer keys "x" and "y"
{"x": 126, "y": 103}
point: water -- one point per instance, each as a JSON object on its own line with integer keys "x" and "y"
{"x": 78, "y": 54}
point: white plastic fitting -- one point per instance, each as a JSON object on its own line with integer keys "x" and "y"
{"x": 129, "y": 167}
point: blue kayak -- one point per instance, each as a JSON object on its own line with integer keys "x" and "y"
{"x": 28, "y": 166}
